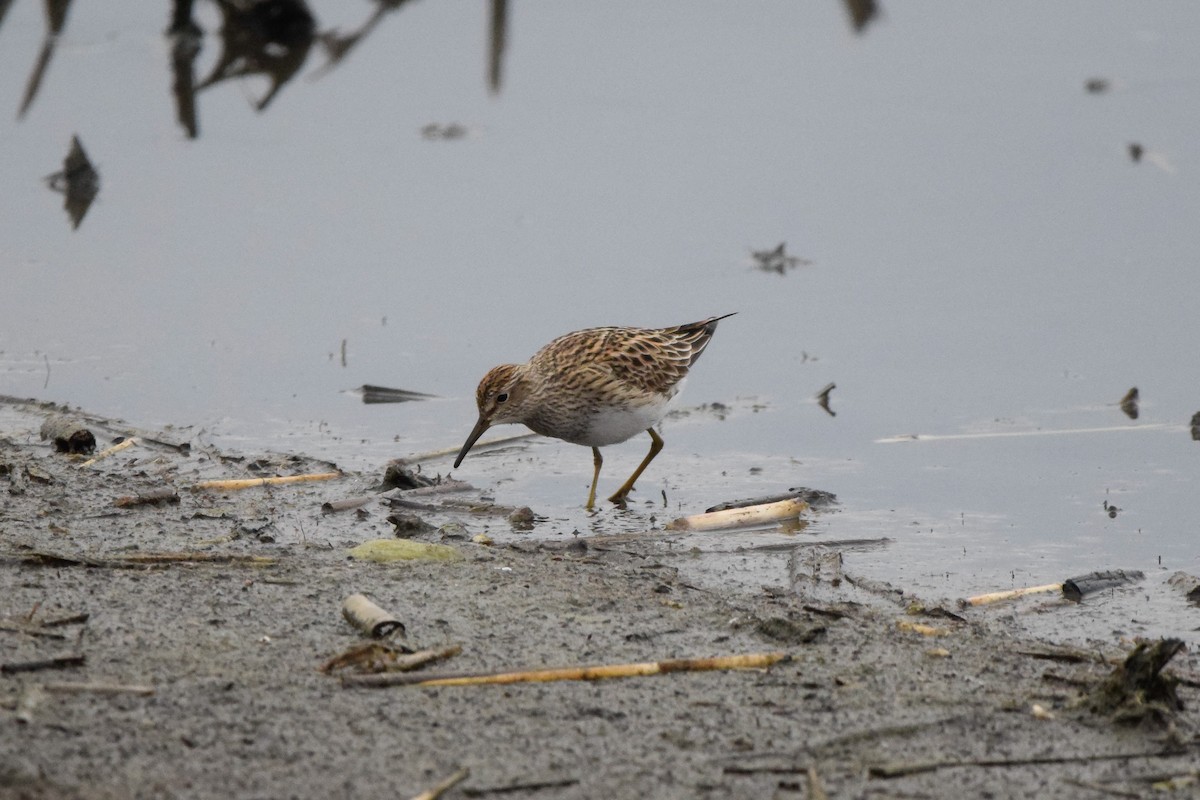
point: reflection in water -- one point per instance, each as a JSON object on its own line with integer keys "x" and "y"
{"x": 187, "y": 38}
{"x": 861, "y": 12}
{"x": 777, "y": 260}
{"x": 823, "y": 399}
{"x": 78, "y": 180}
{"x": 56, "y": 20}
{"x": 498, "y": 40}
{"x": 258, "y": 37}
{"x": 1129, "y": 403}
{"x": 270, "y": 38}
{"x": 384, "y": 394}
{"x": 338, "y": 46}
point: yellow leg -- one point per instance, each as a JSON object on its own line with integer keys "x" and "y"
{"x": 656, "y": 444}
{"x": 597, "y": 460}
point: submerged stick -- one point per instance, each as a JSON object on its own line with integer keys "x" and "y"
{"x": 250, "y": 483}
{"x": 590, "y": 673}
{"x": 740, "y": 517}
{"x": 108, "y": 451}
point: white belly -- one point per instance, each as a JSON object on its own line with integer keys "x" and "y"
{"x": 613, "y": 425}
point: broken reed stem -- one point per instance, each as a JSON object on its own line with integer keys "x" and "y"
{"x": 437, "y": 790}
{"x": 369, "y": 618}
{"x": 578, "y": 673}
{"x": 740, "y": 517}
{"x": 108, "y": 451}
{"x": 346, "y": 504}
{"x": 71, "y": 687}
{"x": 250, "y": 483}
{"x": 996, "y": 597}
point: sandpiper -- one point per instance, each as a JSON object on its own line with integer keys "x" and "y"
{"x": 594, "y": 387}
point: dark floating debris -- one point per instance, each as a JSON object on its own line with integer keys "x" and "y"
{"x": 823, "y": 399}
{"x": 1137, "y": 692}
{"x": 777, "y": 260}
{"x": 384, "y": 394}
{"x": 406, "y": 526}
{"x": 397, "y": 475}
{"x": 68, "y": 434}
{"x": 78, "y": 180}
{"x": 1129, "y": 403}
{"x": 1196, "y": 427}
{"x": 435, "y": 131}
{"x": 1135, "y": 152}
{"x": 1097, "y": 85}
{"x": 861, "y": 12}
{"x": 1077, "y": 588}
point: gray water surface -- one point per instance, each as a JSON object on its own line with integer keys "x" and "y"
{"x": 978, "y": 253}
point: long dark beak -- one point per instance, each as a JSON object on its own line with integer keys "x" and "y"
{"x": 476, "y": 432}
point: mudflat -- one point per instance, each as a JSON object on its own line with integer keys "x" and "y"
{"x": 171, "y": 648}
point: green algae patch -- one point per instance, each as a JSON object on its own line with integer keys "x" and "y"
{"x": 387, "y": 551}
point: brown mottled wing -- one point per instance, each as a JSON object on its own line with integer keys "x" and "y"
{"x": 648, "y": 360}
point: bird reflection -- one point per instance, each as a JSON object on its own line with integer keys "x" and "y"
{"x": 338, "y": 45}
{"x": 56, "y": 20}
{"x": 498, "y": 43}
{"x": 262, "y": 37}
{"x": 186, "y": 38}
{"x": 78, "y": 180}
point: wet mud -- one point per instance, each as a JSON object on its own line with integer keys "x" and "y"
{"x": 172, "y": 648}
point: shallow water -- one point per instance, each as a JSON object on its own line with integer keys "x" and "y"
{"x": 979, "y": 254}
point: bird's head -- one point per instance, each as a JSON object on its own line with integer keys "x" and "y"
{"x": 501, "y": 398}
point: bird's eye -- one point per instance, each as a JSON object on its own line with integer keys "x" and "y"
{"x": 502, "y": 397}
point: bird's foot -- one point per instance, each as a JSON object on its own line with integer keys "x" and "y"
{"x": 620, "y": 497}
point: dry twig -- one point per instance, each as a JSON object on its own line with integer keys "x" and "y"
{"x": 250, "y": 483}
{"x": 578, "y": 673}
